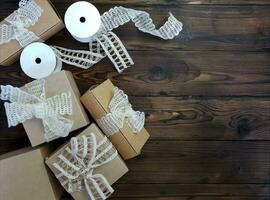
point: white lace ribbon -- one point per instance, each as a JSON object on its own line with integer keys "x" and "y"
{"x": 118, "y": 16}
{"x": 78, "y": 161}
{"x": 18, "y": 23}
{"x": 120, "y": 110}
{"x": 31, "y": 102}
{"x": 106, "y": 43}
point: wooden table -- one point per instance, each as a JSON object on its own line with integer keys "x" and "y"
{"x": 206, "y": 99}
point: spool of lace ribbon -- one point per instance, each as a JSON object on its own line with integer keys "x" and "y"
{"x": 106, "y": 43}
{"x": 82, "y": 19}
{"x": 38, "y": 61}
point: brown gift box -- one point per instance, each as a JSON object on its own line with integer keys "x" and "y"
{"x": 48, "y": 24}
{"x": 24, "y": 176}
{"x": 112, "y": 170}
{"x": 55, "y": 84}
{"x": 126, "y": 142}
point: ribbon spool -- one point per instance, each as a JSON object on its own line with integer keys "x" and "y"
{"x": 38, "y": 61}
{"x": 83, "y": 21}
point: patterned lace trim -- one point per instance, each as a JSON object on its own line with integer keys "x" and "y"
{"x": 106, "y": 43}
{"x": 77, "y": 162}
{"x": 121, "y": 110}
{"x": 31, "y": 102}
{"x": 18, "y": 23}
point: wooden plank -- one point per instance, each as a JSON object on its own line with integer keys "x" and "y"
{"x": 183, "y": 2}
{"x": 164, "y": 2}
{"x": 175, "y": 73}
{"x": 186, "y": 119}
{"x": 189, "y": 192}
{"x": 212, "y": 27}
{"x": 189, "y": 119}
{"x": 198, "y": 162}
{"x": 180, "y": 73}
{"x": 184, "y": 190}
{"x": 190, "y": 161}
{"x": 191, "y": 197}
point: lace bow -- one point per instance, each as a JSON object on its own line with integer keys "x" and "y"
{"x": 106, "y": 43}
{"x": 19, "y": 22}
{"x": 31, "y": 102}
{"x": 78, "y": 161}
{"x": 121, "y": 109}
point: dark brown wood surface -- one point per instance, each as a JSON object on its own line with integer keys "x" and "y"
{"x": 206, "y": 99}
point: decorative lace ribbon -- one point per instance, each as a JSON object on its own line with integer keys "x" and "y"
{"x": 106, "y": 43}
{"x": 121, "y": 109}
{"x": 78, "y": 161}
{"x": 19, "y": 21}
{"x": 118, "y": 16}
{"x": 31, "y": 102}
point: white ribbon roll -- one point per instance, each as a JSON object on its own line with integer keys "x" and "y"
{"x": 38, "y": 61}
{"x": 82, "y": 20}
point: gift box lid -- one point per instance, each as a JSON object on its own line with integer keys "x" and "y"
{"x": 24, "y": 176}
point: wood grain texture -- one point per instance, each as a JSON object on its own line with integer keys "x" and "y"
{"x": 180, "y": 2}
{"x": 188, "y": 74}
{"x": 168, "y": 3}
{"x": 189, "y": 119}
{"x": 158, "y": 190}
{"x": 206, "y": 99}
{"x": 177, "y": 73}
{"x": 202, "y": 162}
{"x": 212, "y": 27}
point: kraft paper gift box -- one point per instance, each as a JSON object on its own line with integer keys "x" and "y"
{"x": 127, "y": 141}
{"x": 90, "y": 160}
{"x": 47, "y": 25}
{"x": 56, "y": 84}
{"x": 48, "y": 108}
{"x": 24, "y": 176}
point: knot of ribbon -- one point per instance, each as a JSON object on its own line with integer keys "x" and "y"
{"x": 120, "y": 110}
{"x": 106, "y": 43}
{"x": 18, "y": 23}
{"x": 31, "y": 102}
{"x": 77, "y": 162}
